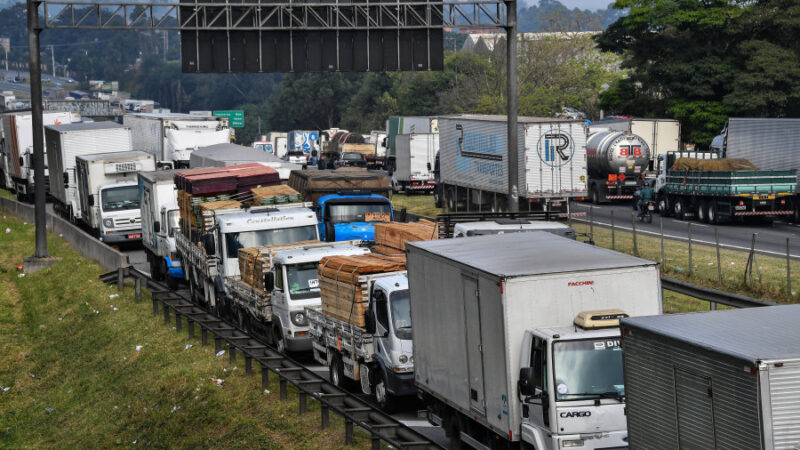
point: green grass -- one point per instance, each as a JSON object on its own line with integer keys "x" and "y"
{"x": 417, "y": 204}
{"x": 74, "y": 378}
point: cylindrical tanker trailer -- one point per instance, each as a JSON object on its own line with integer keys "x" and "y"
{"x": 616, "y": 164}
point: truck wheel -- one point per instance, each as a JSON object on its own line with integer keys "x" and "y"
{"x": 702, "y": 212}
{"x": 336, "y": 372}
{"x": 451, "y": 200}
{"x": 277, "y": 339}
{"x": 385, "y": 400}
{"x": 713, "y": 214}
{"x": 679, "y": 209}
{"x": 155, "y": 270}
{"x": 595, "y": 195}
{"x": 437, "y": 197}
{"x": 664, "y": 206}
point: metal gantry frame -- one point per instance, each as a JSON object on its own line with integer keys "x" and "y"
{"x": 257, "y": 16}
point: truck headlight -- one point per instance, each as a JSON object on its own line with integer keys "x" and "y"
{"x": 403, "y": 359}
{"x": 299, "y": 318}
{"x": 570, "y": 443}
{"x": 108, "y": 223}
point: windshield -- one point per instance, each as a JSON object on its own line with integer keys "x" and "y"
{"x": 297, "y": 154}
{"x": 173, "y": 221}
{"x": 120, "y": 198}
{"x": 588, "y": 369}
{"x": 359, "y": 212}
{"x": 302, "y": 280}
{"x": 401, "y": 314}
{"x": 351, "y": 156}
{"x": 258, "y": 238}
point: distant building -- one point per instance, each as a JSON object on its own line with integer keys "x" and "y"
{"x": 486, "y": 42}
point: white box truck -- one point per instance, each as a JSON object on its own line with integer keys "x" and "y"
{"x": 473, "y": 170}
{"x": 158, "y": 201}
{"x": 17, "y": 150}
{"x": 516, "y": 337}
{"x": 172, "y": 137}
{"x": 397, "y": 125}
{"x": 415, "y": 155}
{"x": 109, "y": 194}
{"x": 64, "y": 144}
{"x": 719, "y": 379}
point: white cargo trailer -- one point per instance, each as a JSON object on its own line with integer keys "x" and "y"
{"x": 661, "y": 135}
{"x": 721, "y": 379}
{"x": 17, "y": 150}
{"x": 109, "y": 193}
{"x": 473, "y": 171}
{"x": 172, "y": 137}
{"x": 158, "y": 202}
{"x": 223, "y": 155}
{"x": 517, "y": 339}
{"x": 414, "y": 159}
{"x": 64, "y": 144}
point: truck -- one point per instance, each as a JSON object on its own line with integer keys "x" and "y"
{"x": 16, "y": 150}
{"x": 516, "y": 225}
{"x": 718, "y": 379}
{"x": 7, "y": 100}
{"x": 291, "y": 288}
{"x": 376, "y": 358}
{"x": 302, "y": 141}
{"x": 343, "y": 143}
{"x": 397, "y": 125}
{"x": 473, "y": 170}
{"x": 716, "y": 196}
{"x": 415, "y": 156}
{"x": 160, "y": 225}
{"x": 348, "y": 202}
{"x": 64, "y": 144}
{"x": 172, "y": 137}
{"x": 660, "y": 135}
{"x": 616, "y": 164}
{"x": 378, "y": 139}
{"x": 108, "y": 194}
{"x": 769, "y": 143}
{"x": 510, "y": 348}
{"x": 222, "y": 155}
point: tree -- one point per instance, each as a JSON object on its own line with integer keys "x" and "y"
{"x": 704, "y": 60}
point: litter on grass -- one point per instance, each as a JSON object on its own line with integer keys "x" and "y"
{"x": 217, "y": 381}
{"x": 221, "y": 352}
{"x": 139, "y": 347}
{"x": 113, "y": 296}
{"x": 188, "y": 346}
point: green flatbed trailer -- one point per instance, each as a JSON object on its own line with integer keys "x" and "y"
{"x": 720, "y": 195}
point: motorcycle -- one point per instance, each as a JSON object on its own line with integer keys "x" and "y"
{"x": 647, "y": 212}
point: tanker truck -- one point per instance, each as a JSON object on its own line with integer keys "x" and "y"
{"x": 616, "y": 163}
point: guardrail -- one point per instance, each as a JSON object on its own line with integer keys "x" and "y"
{"x": 381, "y": 426}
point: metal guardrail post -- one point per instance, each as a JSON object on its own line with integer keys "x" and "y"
{"x": 137, "y": 289}
{"x": 348, "y": 432}
{"x": 691, "y": 271}
{"x": 264, "y": 377}
{"x": 719, "y": 260}
{"x": 301, "y": 400}
{"x": 788, "y": 270}
{"x": 120, "y": 278}
{"x": 284, "y": 388}
{"x": 324, "y": 415}
{"x": 190, "y": 325}
{"x": 591, "y": 223}
{"x": 635, "y": 242}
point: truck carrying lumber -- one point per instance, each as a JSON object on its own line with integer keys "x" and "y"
{"x": 344, "y": 283}
{"x": 315, "y": 184}
{"x": 275, "y": 195}
{"x": 254, "y": 262}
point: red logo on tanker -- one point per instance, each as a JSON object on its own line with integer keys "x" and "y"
{"x": 580, "y": 283}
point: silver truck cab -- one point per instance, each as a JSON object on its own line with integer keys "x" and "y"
{"x": 501, "y": 226}
{"x": 297, "y": 288}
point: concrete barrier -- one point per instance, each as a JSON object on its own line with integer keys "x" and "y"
{"x": 81, "y": 241}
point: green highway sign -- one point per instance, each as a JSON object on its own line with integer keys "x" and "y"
{"x": 235, "y": 118}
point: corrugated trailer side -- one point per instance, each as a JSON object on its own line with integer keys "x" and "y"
{"x": 684, "y": 396}
{"x": 147, "y": 133}
{"x": 769, "y": 143}
{"x": 555, "y": 159}
{"x": 780, "y": 393}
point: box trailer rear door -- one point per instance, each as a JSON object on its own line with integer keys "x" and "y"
{"x": 780, "y": 405}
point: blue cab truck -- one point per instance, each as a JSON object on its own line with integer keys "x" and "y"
{"x": 348, "y": 201}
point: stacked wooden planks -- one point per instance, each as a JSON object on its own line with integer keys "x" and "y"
{"x": 391, "y": 237}
{"x": 254, "y": 262}
{"x": 313, "y": 184}
{"x": 272, "y": 195}
{"x": 345, "y": 295}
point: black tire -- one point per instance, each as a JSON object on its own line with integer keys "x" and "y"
{"x": 680, "y": 209}
{"x": 702, "y": 212}
{"x": 277, "y": 339}
{"x": 451, "y": 200}
{"x": 595, "y": 195}
{"x": 664, "y": 207}
{"x": 437, "y": 197}
{"x": 386, "y": 401}
{"x": 336, "y": 372}
{"x": 155, "y": 268}
{"x": 713, "y": 213}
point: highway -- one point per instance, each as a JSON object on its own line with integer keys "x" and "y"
{"x": 771, "y": 239}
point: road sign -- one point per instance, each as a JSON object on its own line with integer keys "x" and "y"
{"x": 235, "y": 118}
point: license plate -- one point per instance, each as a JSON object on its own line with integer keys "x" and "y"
{"x": 762, "y": 202}
{"x": 135, "y": 236}
{"x": 740, "y": 208}
{"x": 313, "y": 283}
{"x": 650, "y": 207}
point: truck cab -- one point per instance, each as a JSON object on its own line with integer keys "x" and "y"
{"x": 344, "y": 217}
{"x": 504, "y": 225}
{"x": 119, "y": 216}
{"x": 164, "y": 232}
{"x": 294, "y": 285}
{"x": 572, "y": 391}
{"x": 388, "y": 319}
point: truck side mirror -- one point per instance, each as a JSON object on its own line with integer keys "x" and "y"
{"x": 429, "y": 166}
{"x": 269, "y": 281}
{"x": 527, "y": 381}
{"x": 369, "y": 322}
{"x": 91, "y": 200}
{"x": 66, "y": 179}
{"x": 21, "y": 161}
{"x": 157, "y": 226}
{"x": 208, "y": 245}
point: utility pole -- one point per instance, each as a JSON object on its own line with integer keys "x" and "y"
{"x": 512, "y": 105}
{"x": 40, "y": 257}
{"x": 166, "y": 43}
{"x": 53, "y": 60}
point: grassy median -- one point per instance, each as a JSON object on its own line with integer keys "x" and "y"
{"x": 83, "y": 365}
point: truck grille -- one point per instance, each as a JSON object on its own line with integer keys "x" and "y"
{"x": 126, "y": 222}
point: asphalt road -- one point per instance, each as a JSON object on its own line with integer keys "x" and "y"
{"x": 770, "y": 239}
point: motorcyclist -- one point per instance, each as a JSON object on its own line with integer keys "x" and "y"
{"x": 643, "y": 196}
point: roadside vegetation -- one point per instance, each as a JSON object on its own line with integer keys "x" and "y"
{"x": 83, "y": 365}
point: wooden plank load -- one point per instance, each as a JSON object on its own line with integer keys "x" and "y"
{"x": 345, "y": 295}
{"x": 226, "y": 180}
{"x": 254, "y": 262}
{"x": 726, "y": 164}
{"x": 313, "y": 184}
{"x": 275, "y": 195}
{"x": 391, "y": 237}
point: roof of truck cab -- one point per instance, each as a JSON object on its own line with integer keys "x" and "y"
{"x": 82, "y": 126}
{"x": 523, "y": 254}
{"x": 315, "y": 253}
{"x": 520, "y": 225}
{"x": 751, "y": 334}
{"x": 116, "y": 156}
{"x": 160, "y": 175}
{"x": 236, "y": 222}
